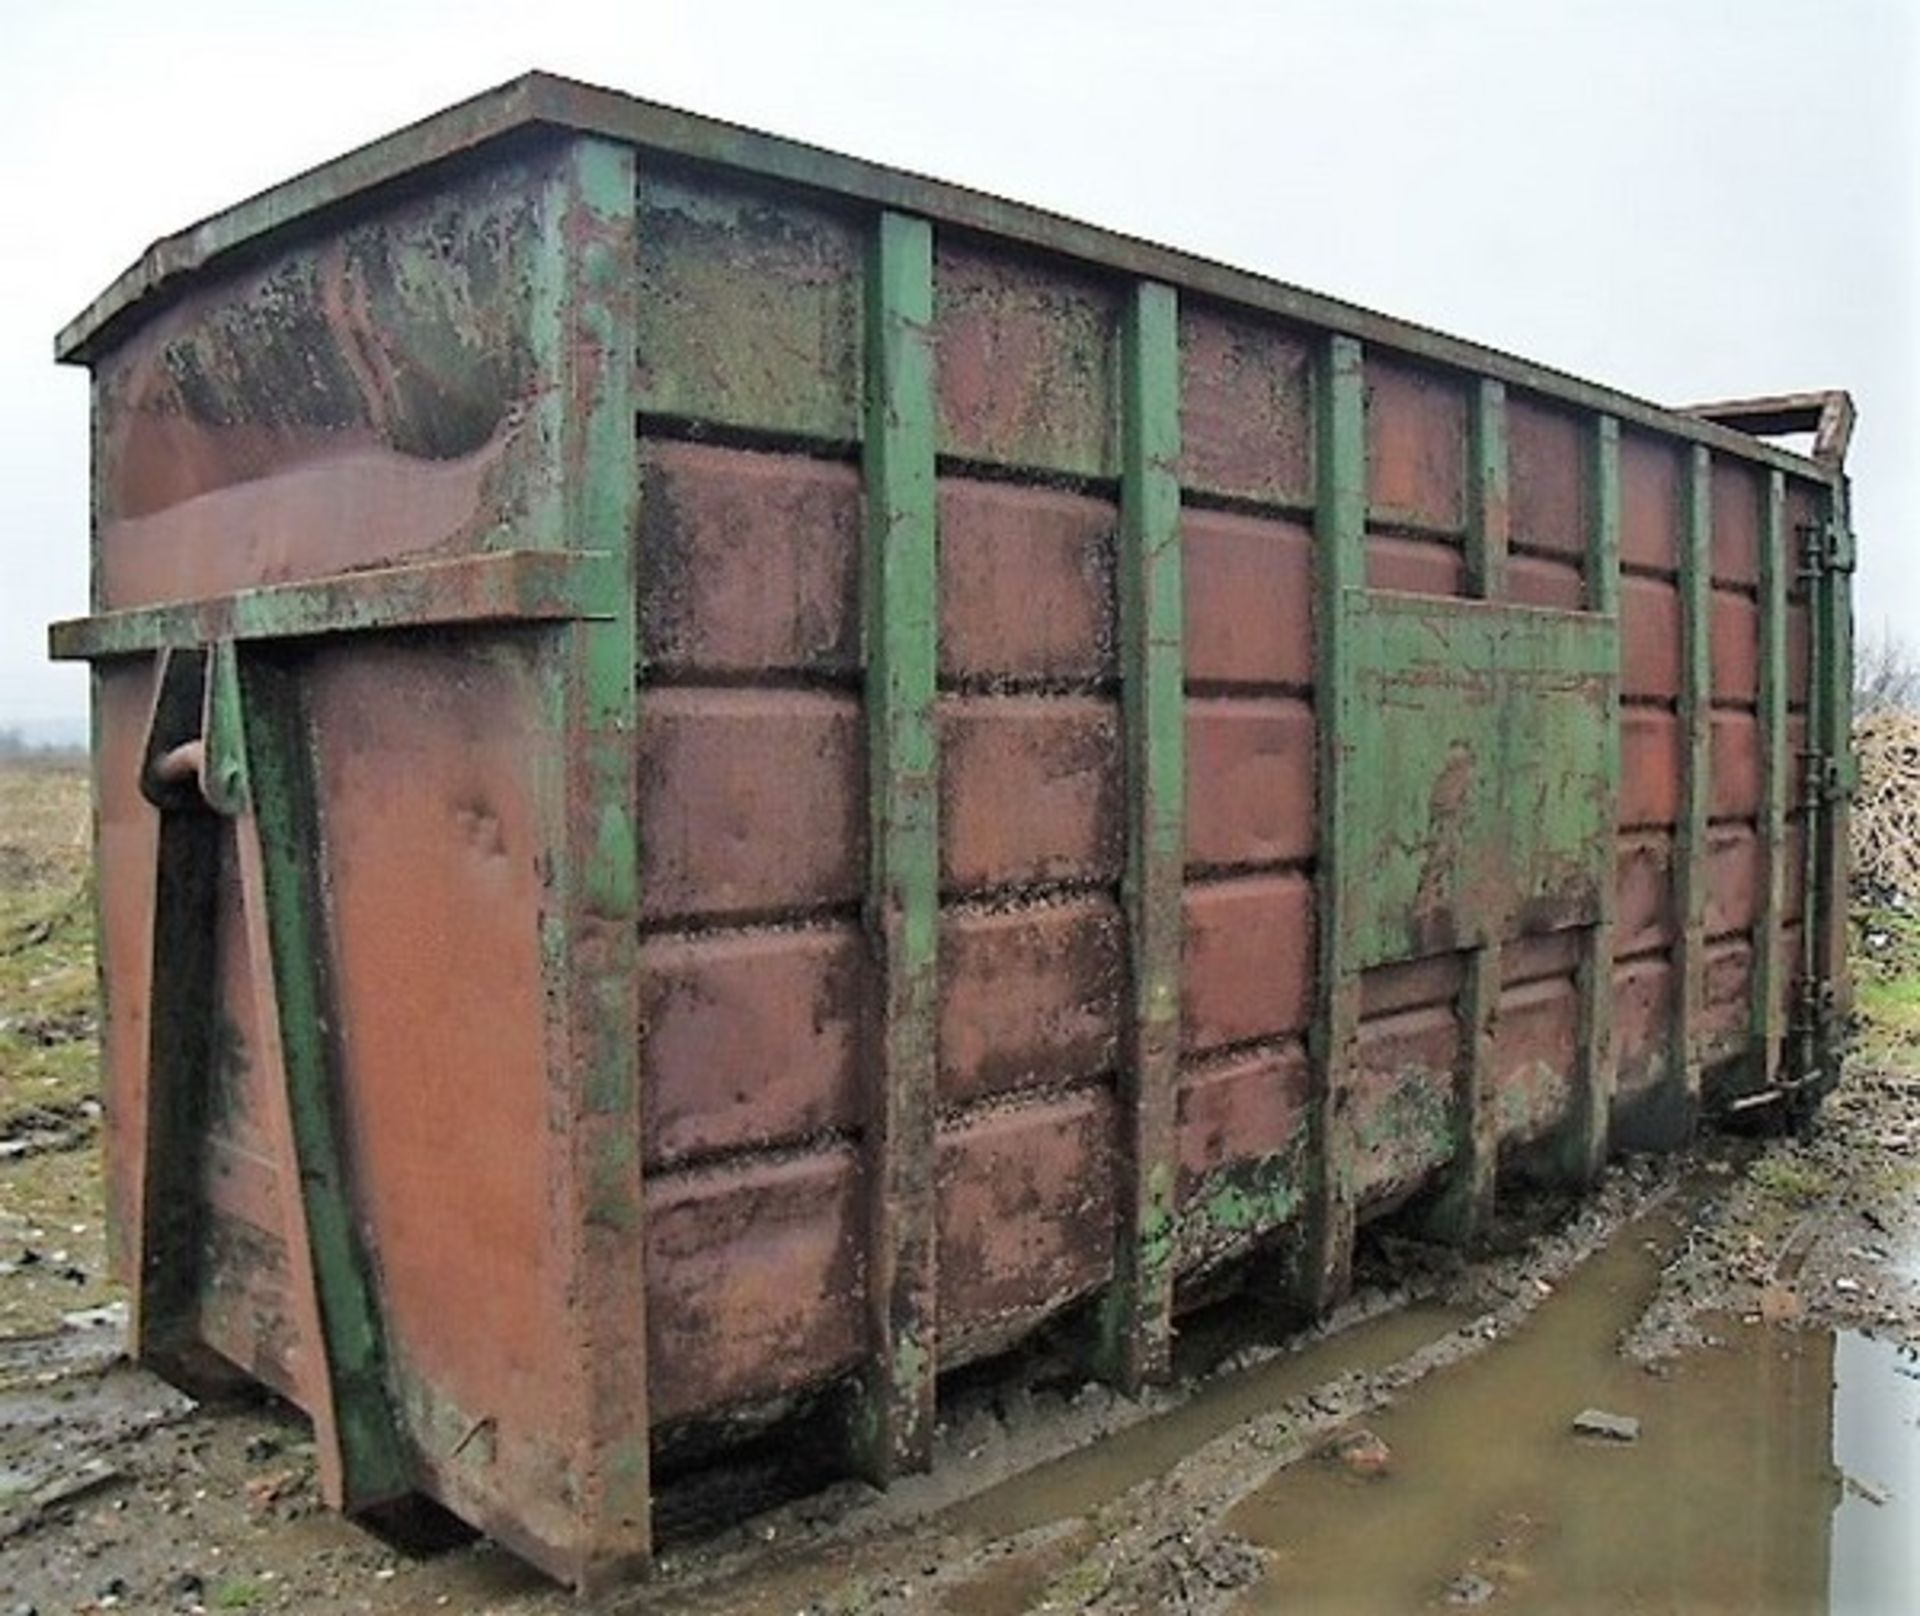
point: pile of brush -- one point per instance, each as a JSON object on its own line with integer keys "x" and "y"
{"x": 1886, "y": 810}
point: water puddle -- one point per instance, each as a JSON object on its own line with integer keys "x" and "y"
{"x": 1778, "y": 1471}
{"x": 1080, "y": 1482}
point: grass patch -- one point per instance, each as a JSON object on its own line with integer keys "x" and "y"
{"x": 1790, "y": 1178}
{"x": 48, "y": 1033}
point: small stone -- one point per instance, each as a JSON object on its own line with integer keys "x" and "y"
{"x": 1843, "y": 1283}
{"x": 1469, "y": 1589}
{"x": 261, "y": 1448}
{"x": 1362, "y": 1454}
{"x": 1611, "y": 1427}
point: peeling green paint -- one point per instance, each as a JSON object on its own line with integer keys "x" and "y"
{"x": 1690, "y": 876}
{"x": 1583, "y": 1141}
{"x": 1136, "y": 1330}
{"x": 374, "y": 1464}
{"x": 893, "y": 1431}
{"x": 1324, "y": 1258}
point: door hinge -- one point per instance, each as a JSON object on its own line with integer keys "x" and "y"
{"x": 1826, "y": 547}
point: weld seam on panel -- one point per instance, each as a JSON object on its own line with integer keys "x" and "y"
{"x": 657, "y": 428}
{"x": 1135, "y": 1332}
{"x": 774, "y": 681}
{"x": 801, "y": 918}
{"x": 893, "y": 1424}
{"x": 1250, "y": 690}
{"x": 1290, "y": 512}
{"x": 1390, "y": 523}
{"x": 1035, "y": 479}
{"x": 1690, "y": 875}
{"x": 1194, "y": 1062}
{"x": 955, "y": 1115}
{"x": 1325, "y": 1263}
{"x": 666, "y": 1167}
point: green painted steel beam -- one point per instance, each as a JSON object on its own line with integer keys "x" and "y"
{"x": 507, "y": 586}
{"x": 579, "y": 517}
{"x": 1768, "y": 1022}
{"x": 1325, "y": 1257}
{"x": 1827, "y": 899}
{"x": 1690, "y": 874}
{"x": 1465, "y": 1202}
{"x": 1590, "y": 1120}
{"x": 1489, "y": 506}
{"x": 893, "y": 1425}
{"x": 375, "y": 1467}
{"x": 1137, "y": 1329}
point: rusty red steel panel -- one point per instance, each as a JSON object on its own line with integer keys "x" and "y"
{"x": 605, "y": 1193}
{"x": 1059, "y": 758}
{"x": 1546, "y": 581}
{"x": 1650, "y": 767}
{"x": 1650, "y": 640}
{"x": 752, "y": 801}
{"x": 1651, "y": 482}
{"x": 1735, "y": 545}
{"x": 753, "y": 1279}
{"x": 751, "y": 562}
{"x": 1249, "y": 959}
{"x": 1645, "y": 916}
{"x": 1552, "y": 479}
{"x": 1249, "y": 600}
{"x": 1535, "y": 1056}
{"x": 1735, "y": 648}
{"x": 1026, "y": 584}
{"x": 1026, "y": 1214}
{"x": 1416, "y": 448}
{"x": 1246, "y": 407}
{"x": 1032, "y": 996}
{"x": 1416, "y": 566}
{"x": 1024, "y": 362}
{"x": 1249, "y": 782}
{"x": 778, "y": 1011}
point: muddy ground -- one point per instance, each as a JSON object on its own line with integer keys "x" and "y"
{"x": 1416, "y": 1451}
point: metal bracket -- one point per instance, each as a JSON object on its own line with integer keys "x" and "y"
{"x": 195, "y": 752}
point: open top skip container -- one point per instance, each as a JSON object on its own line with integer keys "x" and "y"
{"x": 726, "y": 776}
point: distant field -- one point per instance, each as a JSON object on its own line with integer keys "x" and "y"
{"x": 52, "y": 1239}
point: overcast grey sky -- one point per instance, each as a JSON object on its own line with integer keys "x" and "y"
{"x": 1684, "y": 198}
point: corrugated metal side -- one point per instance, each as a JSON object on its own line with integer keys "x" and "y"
{"x": 754, "y": 708}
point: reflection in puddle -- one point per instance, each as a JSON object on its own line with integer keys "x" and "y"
{"x": 1731, "y": 1499}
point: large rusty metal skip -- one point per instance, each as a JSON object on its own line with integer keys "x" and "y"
{"x": 728, "y": 779}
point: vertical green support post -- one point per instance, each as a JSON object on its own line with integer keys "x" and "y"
{"x": 1690, "y": 849}
{"x": 893, "y": 1426}
{"x": 1489, "y": 505}
{"x": 1137, "y": 1328}
{"x": 374, "y": 1466}
{"x": 587, "y": 498}
{"x": 1833, "y": 601}
{"x": 1340, "y": 529}
{"x": 1465, "y": 1202}
{"x": 1587, "y": 1138}
{"x": 1769, "y": 1004}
